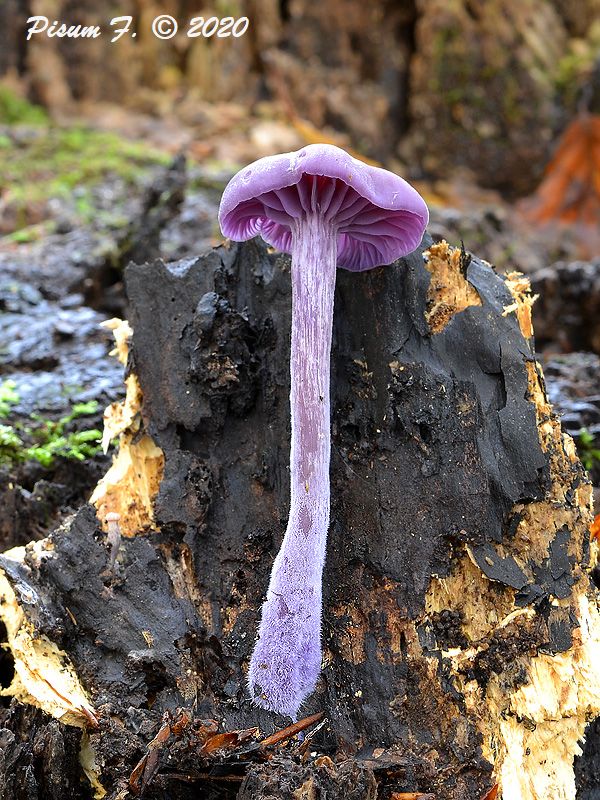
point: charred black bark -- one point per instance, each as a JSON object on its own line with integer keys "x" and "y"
{"x": 587, "y": 766}
{"x": 435, "y": 441}
{"x": 40, "y": 757}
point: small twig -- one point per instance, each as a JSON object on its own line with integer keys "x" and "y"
{"x": 291, "y": 730}
{"x": 465, "y": 259}
{"x": 308, "y": 740}
{"x": 204, "y": 776}
{"x": 113, "y": 537}
{"x": 81, "y": 709}
{"x": 412, "y": 796}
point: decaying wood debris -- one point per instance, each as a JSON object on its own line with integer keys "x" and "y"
{"x": 461, "y": 624}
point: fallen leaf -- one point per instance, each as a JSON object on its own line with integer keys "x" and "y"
{"x": 491, "y": 795}
{"x": 324, "y": 761}
{"x": 220, "y": 741}
{"x": 146, "y": 768}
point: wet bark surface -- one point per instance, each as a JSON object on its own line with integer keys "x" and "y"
{"x": 55, "y": 355}
{"x": 573, "y": 390}
{"x": 435, "y": 441}
{"x": 568, "y": 292}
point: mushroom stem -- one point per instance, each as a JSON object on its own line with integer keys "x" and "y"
{"x": 286, "y": 661}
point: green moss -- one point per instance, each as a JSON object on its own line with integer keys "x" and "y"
{"x": 32, "y": 233}
{"x": 8, "y": 397}
{"x": 69, "y": 163}
{"x": 589, "y": 455}
{"x": 9, "y": 441}
{"x": 512, "y": 106}
{"x": 67, "y": 159}
{"x": 575, "y": 66}
{"x": 16, "y": 110}
{"x": 456, "y": 71}
{"x": 44, "y": 440}
{"x": 442, "y": 57}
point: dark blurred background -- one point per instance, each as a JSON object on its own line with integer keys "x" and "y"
{"x": 478, "y": 85}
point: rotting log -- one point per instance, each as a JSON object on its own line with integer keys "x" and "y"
{"x": 461, "y": 626}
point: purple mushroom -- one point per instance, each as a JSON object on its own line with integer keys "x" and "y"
{"x": 328, "y": 210}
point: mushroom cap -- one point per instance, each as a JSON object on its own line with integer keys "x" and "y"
{"x": 378, "y": 216}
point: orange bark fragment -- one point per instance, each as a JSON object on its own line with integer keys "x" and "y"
{"x": 595, "y": 528}
{"x": 570, "y": 191}
{"x": 492, "y": 794}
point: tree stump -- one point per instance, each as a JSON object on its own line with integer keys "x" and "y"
{"x": 460, "y": 618}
